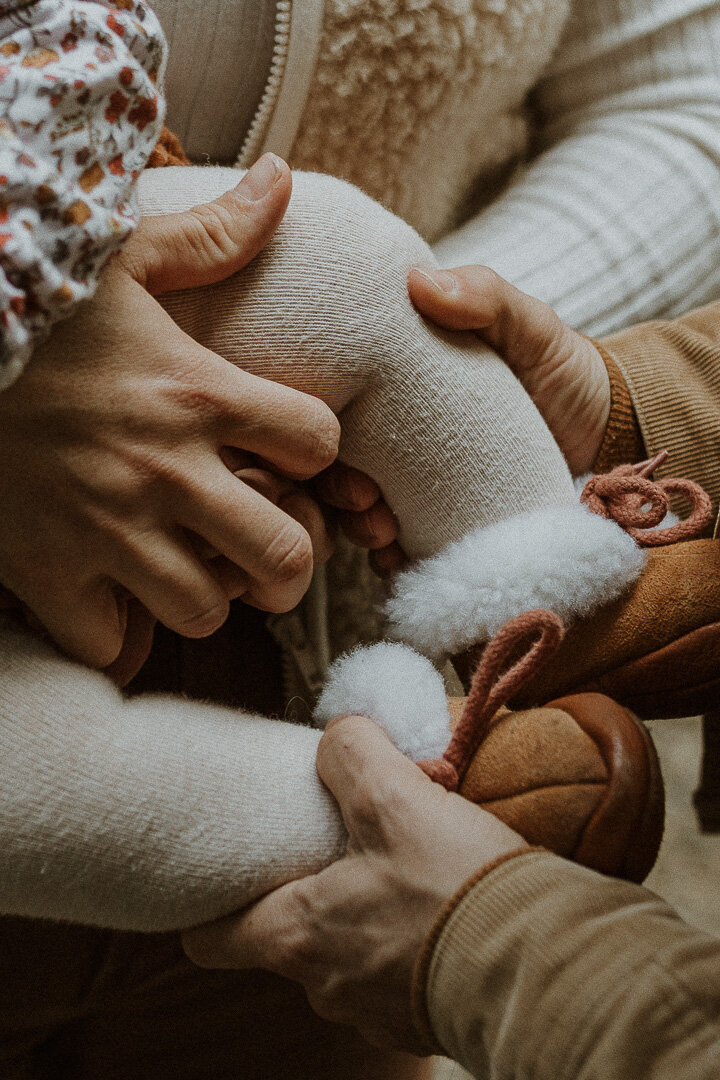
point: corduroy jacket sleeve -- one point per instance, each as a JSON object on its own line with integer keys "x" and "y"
{"x": 672, "y": 372}
{"x": 549, "y": 970}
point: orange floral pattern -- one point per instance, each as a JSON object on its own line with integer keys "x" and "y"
{"x": 80, "y": 113}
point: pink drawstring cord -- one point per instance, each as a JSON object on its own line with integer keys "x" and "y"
{"x": 629, "y": 497}
{"x": 491, "y": 688}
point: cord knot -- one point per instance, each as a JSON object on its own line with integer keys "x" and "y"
{"x": 638, "y": 504}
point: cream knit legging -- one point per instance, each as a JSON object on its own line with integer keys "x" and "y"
{"x": 158, "y": 813}
{"x": 438, "y": 421}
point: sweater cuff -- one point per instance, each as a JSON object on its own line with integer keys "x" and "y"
{"x": 420, "y": 1012}
{"x": 623, "y": 442}
{"x": 672, "y": 372}
{"x": 530, "y": 972}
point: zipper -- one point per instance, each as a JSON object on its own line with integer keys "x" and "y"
{"x": 256, "y": 132}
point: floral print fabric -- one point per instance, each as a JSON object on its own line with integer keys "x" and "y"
{"x": 80, "y": 113}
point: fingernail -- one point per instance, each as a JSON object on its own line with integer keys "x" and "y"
{"x": 261, "y": 179}
{"x": 441, "y": 279}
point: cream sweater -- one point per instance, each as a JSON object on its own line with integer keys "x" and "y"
{"x": 610, "y": 109}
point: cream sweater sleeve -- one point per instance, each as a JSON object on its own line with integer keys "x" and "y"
{"x": 616, "y": 218}
{"x": 551, "y": 971}
{"x": 150, "y": 814}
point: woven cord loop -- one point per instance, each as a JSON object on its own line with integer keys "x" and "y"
{"x": 540, "y": 632}
{"x": 638, "y": 504}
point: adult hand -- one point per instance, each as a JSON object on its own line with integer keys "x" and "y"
{"x": 113, "y": 481}
{"x": 561, "y": 370}
{"x": 363, "y": 515}
{"x": 352, "y": 933}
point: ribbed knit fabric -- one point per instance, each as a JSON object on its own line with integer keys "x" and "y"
{"x": 436, "y": 419}
{"x": 425, "y": 106}
{"x": 612, "y": 219}
{"x": 424, "y": 959}
{"x": 219, "y": 55}
{"x": 551, "y": 971}
{"x": 150, "y": 814}
{"x": 622, "y": 442}
{"x": 672, "y": 371}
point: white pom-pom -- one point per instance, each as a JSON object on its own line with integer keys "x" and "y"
{"x": 397, "y": 688}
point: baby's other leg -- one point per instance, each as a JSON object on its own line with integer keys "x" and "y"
{"x": 152, "y": 814}
{"x": 436, "y": 419}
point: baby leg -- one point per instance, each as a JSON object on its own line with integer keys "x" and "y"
{"x": 150, "y": 814}
{"x": 481, "y": 491}
{"x": 438, "y": 421}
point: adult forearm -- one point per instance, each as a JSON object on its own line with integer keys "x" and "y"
{"x": 672, "y": 372}
{"x": 612, "y": 227}
{"x": 612, "y": 221}
{"x": 550, "y": 970}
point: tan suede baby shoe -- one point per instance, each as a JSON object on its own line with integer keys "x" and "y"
{"x": 579, "y": 776}
{"x": 656, "y": 649}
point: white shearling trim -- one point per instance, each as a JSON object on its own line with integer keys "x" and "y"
{"x": 579, "y": 482}
{"x": 398, "y": 689}
{"x": 563, "y": 558}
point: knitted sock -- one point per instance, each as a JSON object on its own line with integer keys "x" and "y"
{"x": 150, "y": 814}
{"x": 435, "y": 418}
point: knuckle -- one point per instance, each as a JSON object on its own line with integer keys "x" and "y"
{"x": 296, "y": 954}
{"x": 111, "y": 524}
{"x": 290, "y": 555}
{"x": 157, "y": 477}
{"x": 487, "y": 276}
{"x": 133, "y": 257}
{"x": 205, "y": 619}
{"x": 198, "y": 392}
{"x": 210, "y": 229}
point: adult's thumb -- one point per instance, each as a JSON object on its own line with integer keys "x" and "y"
{"x": 259, "y": 937}
{"x": 368, "y": 776}
{"x": 211, "y": 241}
